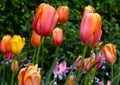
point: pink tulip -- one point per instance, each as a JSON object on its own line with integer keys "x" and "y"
{"x": 90, "y": 29}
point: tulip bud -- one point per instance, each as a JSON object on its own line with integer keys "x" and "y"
{"x": 6, "y": 44}
{"x": 44, "y": 20}
{"x": 29, "y": 75}
{"x": 14, "y": 65}
{"x": 109, "y": 52}
{"x": 17, "y": 44}
{"x": 35, "y": 39}
{"x": 70, "y": 80}
{"x": 63, "y": 12}
{"x": 57, "y": 36}
{"x": 88, "y": 9}
{"x": 9, "y": 55}
{"x": 90, "y": 29}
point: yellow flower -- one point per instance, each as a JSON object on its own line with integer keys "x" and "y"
{"x": 17, "y": 44}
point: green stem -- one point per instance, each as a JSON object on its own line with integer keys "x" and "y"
{"x": 12, "y": 81}
{"x": 111, "y": 71}
{"x": 118, "y": 79}
{"x": 38, "y": 52}
{"x": 80, "y": 69}
{"x": 42, "y": 62}
{"x": 53, "y": 65}
{"x": 4, "y": 66}
{"x": 34, "y": 55}
{"x": 51, "y": 83}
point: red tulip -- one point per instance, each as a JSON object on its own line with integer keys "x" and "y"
{"x": 63, "y": 12}
{"x": 90, "y": 29}
{"x": 88, "y": 9}
{"x": 109, "y": 52}
{"x": 44, "y": 20}
{"x": 57, "y": 36}
{"x": 6, "y": 44}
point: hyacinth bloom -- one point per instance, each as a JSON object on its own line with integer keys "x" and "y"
{"x": 90, "y": 29}
{"x": 57, "y": 36}
{"x": 60, "y": 69}
{"x": 88, "y": 9}
{"x": 14, "y": 65}
{"x": 63, "y": 13}
{"x": 29, "y": 75}
{"x": 71, "y": 80}
{"x": 6, "y": 44}
{"x": 45, "y": 19}
{"x": 109, "y": 53}
{"x": 17, "y": 44}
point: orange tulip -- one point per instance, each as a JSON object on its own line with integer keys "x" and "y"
{"x": 14, "y": 65}
{"x": 35, "y": 39}
{"x": 90, "y": 29}
{"x": 57, "y": 36}
{"x": 6, "y": 44}
{"x": 63, "y": 12}
{"x": 44, "y": 20}
{"x": 109, "y": 52}
{"x": 71, "y": 80}
{"x": 29, "y": 75}
{"x": 88, "y": 9}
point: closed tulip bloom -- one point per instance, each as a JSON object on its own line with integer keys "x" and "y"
{"x": 35, "y": 39}
{"x": 71, "y": 80}
{"x": 17, "y": 44}
{"x": 88, "y": 9}
{"x": 90, "y": 29}
{"x": 6, "y": 44}
{"x": 29, "y": 75}
{"x": 9, "y": 55}
{"x": 44, "y": 20}
{"x": 109, "y": 53}
{"x": 63, "y": 13}
{"x": 57, "y": 36}
{"x": 14, "y": 65}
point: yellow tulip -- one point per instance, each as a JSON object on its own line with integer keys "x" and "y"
{"x": 17, "y": 44}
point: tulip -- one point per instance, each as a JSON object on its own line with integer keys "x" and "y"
{"x": 14, "y": 65}
{"x": 57, "y": 36}
{"x": 29, "y": 75}
{"x": 6, "y": 44}
{"x": 63, "y": 12}
{"x": 35, "y": 39}
{"x": 71, "y": 80}
{"x": 90, "y": 29}
{"x": 9, "y": 55}
{"x": 44, "y": 20}
{"x": 87, "y": 63}
{"x": 17, "y": 44}
{"x": 109, "y": 53}
{"x": 88, "y": 9}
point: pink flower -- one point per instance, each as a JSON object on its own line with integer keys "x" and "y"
{"x": 60, "y": 69}
{"x": 102, "y": 83}
{"x": 9, "y": 55}
{"x": 99, "y": 60}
